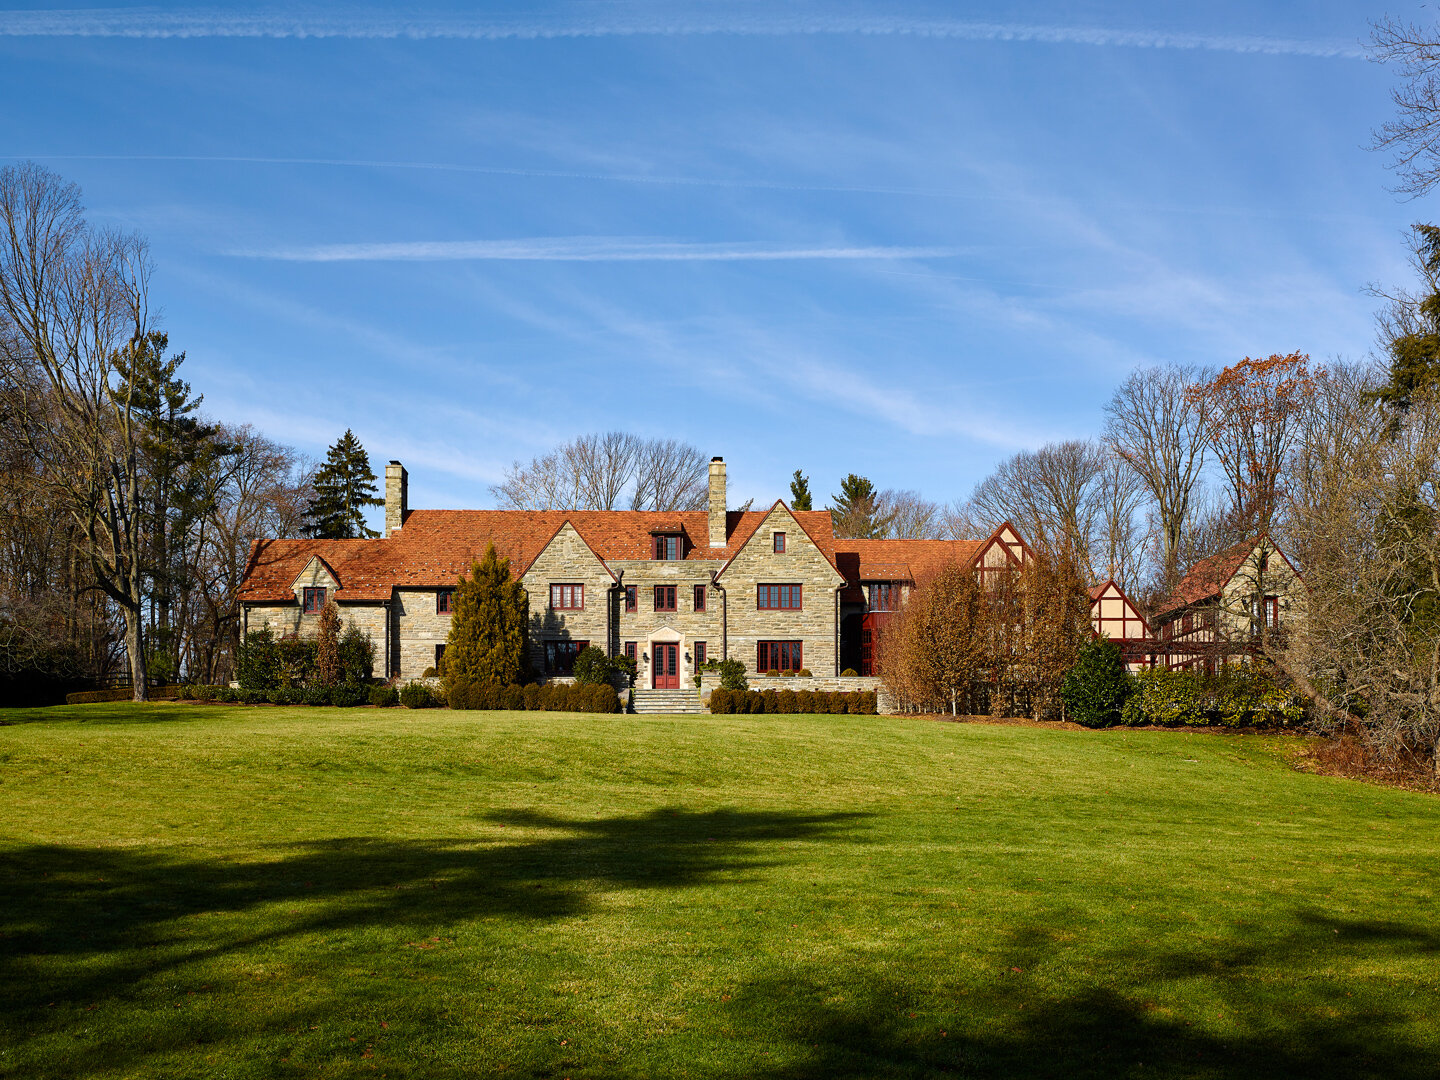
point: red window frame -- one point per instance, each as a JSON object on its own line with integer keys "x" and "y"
{"x": 313, "y": 599}
{"x": 779, "y": 598}
{"x": 632, "y": 598}
{"x": 882, "y": 595}
{"x": 669, "y": 547}
{"x": 444, "y": 601}
{"x": 665, "y": 598}
{"x": 778, "y": 542}
{"x": 699, "y": 597}
{"x": 560, "y": 656}
{"x": 567, "y": 597}
{"x": 630, "y": 650}
{"x": 779, "y": 655}
{"x": 699, "y": 654}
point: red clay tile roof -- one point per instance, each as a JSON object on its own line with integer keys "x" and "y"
{"x": 1207, "y": 577}
{"x": 435, "y": 547}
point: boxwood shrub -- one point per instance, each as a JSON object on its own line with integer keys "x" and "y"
{"x": 549, "y": 697}
{"x": 854, "y": 702}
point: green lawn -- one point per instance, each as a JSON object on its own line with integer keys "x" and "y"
{"x": 191, "y": 891}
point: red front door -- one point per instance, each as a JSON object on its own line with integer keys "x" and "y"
{"x": 666, "y": 673}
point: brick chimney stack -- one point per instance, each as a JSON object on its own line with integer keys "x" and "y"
{"x": 717, "y": 502}
{"x": 397, "y": 496}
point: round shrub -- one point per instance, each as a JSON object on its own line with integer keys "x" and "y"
{"x": 1096, "y": 688}
{"x": 515, "y": 698}
{"x": 849, "y": 673}
{"x": 349, "y": 695}
{"x": 225, "y": 694}
{"x": 772, "y": 701}
{"x": 754, "y": 702}
{"x": 804, "y": 673}
{"x": 592, "y": 667}
{"x": 785, "y": 701}
{"x": 417, "y": 695}
{"x": 384, "y": 696}
{"x": 317, "y": 695}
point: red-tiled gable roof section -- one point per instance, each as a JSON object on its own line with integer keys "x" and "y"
{"x": 437, "y": 546}
{"x": 1208, "y": 577}
{"x": 816, "y": 524}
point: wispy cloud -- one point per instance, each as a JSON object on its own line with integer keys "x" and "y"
{"x": 585, "y": 249}
{"x": 621, "y": 20}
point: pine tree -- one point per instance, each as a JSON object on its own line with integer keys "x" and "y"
{"x": 344, "y": 486}
{"x": 486, "y": 645}
{"x": 800, "y": 492}
{"x": 856, "y": 512}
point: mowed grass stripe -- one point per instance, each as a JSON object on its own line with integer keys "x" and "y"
{"x": 194, "y": 890}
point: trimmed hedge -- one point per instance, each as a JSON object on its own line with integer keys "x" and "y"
{"x": 418, "y": 695}
{"x": 91, "y": 697}
{"x": 1236, "y": 698}
{"x": 345, "y": 695}
{"x": 549, "y": 697}
{"x": 835, "y": 702}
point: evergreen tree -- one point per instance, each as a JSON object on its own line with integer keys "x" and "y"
{"x": 856, "y": 511}
{"x": 344, "y": 486}
{"x": 800, "y": 492}
{"x": 1096, "y": 688}
{"x": 486, "y": 645}
{"x": 327, "y": 646}
{"x": 1410, "y": 329}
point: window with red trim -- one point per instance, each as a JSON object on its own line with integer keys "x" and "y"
{"x": 567, "y": 597}
{"x": 665, "y": 598}
{"x": 632, "y": 598}
{"x": 699, "y": 654}
{"x": 669, "y": 548}
{"x": 630, "y": 649}
{"x": 883, "y": 595}
{"x": 780, "y": 656}
{"x": 778, "y": 597}
{"x": 314, "y": 600}
{"x": 560, "y": 656}
{"x": 779, "y": 543}
{"x": 699, "y": 597}
{"x": 444, "y": 601}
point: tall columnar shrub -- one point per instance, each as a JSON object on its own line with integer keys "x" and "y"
{"x": 257, "y": 667}
{"x": 486, "y": 645}
{"x": 356, "y": 654}
{"x": 327, "y": 646}
{"x": 1097, "y": 686}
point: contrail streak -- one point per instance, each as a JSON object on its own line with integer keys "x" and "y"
{"x": 595, "y": 21}
{"x": 583, "y": 249}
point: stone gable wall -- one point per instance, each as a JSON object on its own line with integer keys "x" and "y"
{"x": 642, "y": 625}
{"x": 816, "y": 624}
{"x": 567, "y": 560}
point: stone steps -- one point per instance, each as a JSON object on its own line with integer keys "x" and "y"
{"x": 668, "y": 701}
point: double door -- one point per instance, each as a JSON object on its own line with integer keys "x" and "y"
{"x": 665, "y": 671}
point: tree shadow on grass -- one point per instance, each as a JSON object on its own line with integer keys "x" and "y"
{"x": 1286, "y": 1016}
{"x": 131, "y": 908}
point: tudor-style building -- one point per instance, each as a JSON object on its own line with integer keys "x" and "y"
{"x": 773, "y": 588}
{"x": 1115, "y": 616}
{"x": 1221, "y": 608}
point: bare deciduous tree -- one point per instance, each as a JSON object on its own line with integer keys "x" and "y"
{"x": 1413, "y": 136}
{"x": 910, "y": 515}
{"x": 595, "y": 472}
{"x": 76, "y": 302}
{"x": 1158, "y": 429}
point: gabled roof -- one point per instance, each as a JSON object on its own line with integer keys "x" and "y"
{"x": 1208, "y": 577}
{"x": 815, "y": 524}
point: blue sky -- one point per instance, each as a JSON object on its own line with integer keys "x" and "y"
{"x": 903, "y": 240}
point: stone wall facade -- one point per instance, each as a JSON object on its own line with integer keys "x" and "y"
{"x": 816, "y": 624}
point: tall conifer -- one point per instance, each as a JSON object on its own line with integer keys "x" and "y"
{"x": 486, "y": 645}
{"x": 344, "y": 486}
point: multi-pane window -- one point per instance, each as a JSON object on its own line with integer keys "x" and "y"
{"x": 630, "y": 649}
{"x": 883, "y": 595}
{"x": 779, "y": 542}
{"x": 699, "y": 654}
{"x": 567, "y": 597}
{"x": 665, "y": 598}
{"x": 314, "y": 600}
{"x": 1187, "y": 623}
{"x": 1270, "y": 612}
{"x": 560, "y": 656}
{"x": 780, "y": 656}
{"x": 632, "y": 598}
{"x": 444, "y": 601}
{"x": 669, "y": 548}
{"x": 699, "y": 597}
{"x": 778, "y": 597}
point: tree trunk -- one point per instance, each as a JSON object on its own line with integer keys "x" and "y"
{"x": 135, "y": 648}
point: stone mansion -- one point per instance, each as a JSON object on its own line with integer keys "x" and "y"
{"x": 773, "y": 588}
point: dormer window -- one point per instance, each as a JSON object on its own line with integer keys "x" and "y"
{"x": 313, "y": 600}
{"x": 779, "y": 542}
{"x": 669, "y": 547}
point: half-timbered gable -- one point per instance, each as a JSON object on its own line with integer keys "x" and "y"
{"x": 1114, "y": 616}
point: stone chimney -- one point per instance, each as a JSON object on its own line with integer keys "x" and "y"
{"x": 397, "y": 496}
{"x": 717, "y": 502}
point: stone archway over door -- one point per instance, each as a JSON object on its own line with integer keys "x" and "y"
{"x": 667, "y": 655}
